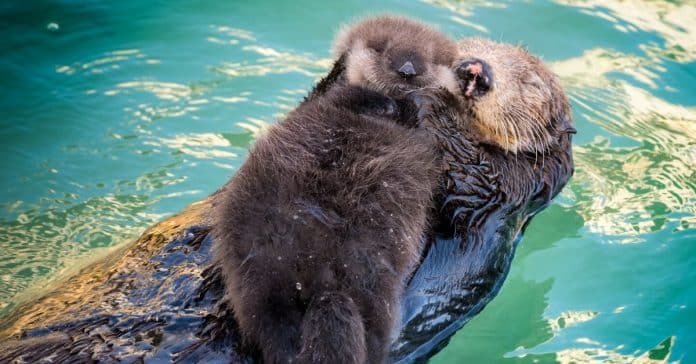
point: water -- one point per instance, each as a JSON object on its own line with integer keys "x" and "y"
{"x": 115, "y": 115}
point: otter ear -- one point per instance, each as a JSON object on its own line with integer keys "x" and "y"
{"x": 565, "y": 125}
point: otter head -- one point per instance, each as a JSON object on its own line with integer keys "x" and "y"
{"x": 517, "y": 102}
{"x": 393, "y": 55}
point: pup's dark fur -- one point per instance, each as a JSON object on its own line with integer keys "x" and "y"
{"x": 319, "y": 229}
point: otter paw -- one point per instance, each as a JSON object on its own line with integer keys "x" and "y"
{"x": 428, "y": 100}
{"x": 422, "y": 98}
{"x": 388, "y": 109}
{"x": 471, "y": 191}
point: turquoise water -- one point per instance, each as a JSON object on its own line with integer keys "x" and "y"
{"x": 115, "y": 115}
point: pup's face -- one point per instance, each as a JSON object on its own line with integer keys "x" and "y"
{"x": 391, "y": 68}
{"x": 518, "y": 103}
{"x": 393, "y": 55}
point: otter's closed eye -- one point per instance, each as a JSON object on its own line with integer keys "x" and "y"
{"x": 532, "y": 79}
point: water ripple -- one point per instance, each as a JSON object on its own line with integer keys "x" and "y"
{"x": 673, "y": 21}
{"x": 657, "y": 167}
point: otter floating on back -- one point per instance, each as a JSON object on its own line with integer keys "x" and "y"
{"x": 100, "y": 318}
{"x": 376, "y": 57}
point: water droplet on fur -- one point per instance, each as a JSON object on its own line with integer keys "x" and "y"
{"x": 295, "y": 217}
{"x": 385, "y": 184}
{"x": 298, "y": 285}
{"x": 280, "y": 258}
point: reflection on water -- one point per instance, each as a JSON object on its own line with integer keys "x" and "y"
{"x": 39, "y": 237}
{"x": 672, "y": 21}
{"x": 121, "y": 114}
{"x": 657, "y": 166}
{"x": 659, "y": 354}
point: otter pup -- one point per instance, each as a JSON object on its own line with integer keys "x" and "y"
{"x": 506, "y": 148}
{"x": 376, "y": 47}
{"x": 318, "y": 230}
{"x": 391, "y": 55}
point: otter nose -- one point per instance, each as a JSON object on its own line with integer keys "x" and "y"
{"x": 475, "y": 77}
{"x": 407, "y": 70}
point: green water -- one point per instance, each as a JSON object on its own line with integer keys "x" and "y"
{"x": 116, "y": 114}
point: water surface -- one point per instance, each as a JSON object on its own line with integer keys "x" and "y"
{"x": 115, "y": 115}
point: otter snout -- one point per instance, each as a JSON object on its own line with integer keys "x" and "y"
{"x": 407, "y": 70}
{"x": 475, "y": 77}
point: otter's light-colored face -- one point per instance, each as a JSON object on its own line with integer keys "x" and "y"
{"x": 523, "y": 107}
{"x": 393, "y": 55}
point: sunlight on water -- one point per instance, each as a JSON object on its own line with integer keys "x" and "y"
{"x": 118, "y": 115}
{"x": 622, "y": 179}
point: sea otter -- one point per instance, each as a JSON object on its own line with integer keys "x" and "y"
{"x": 162, "y": 299}
{"x": 318, "y": 231}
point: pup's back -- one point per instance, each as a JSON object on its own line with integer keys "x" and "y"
{"x": 318, "y": 229}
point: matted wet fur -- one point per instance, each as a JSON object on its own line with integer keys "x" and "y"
{"x": 510, "y": 103}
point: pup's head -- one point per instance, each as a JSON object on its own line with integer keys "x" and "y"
{"x": 393, "y": 55}
{"x": 518, "y": 103}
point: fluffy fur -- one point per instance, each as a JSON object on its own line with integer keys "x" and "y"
{"x": 318, "y": 230}
{"x": 375, "y": 49}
